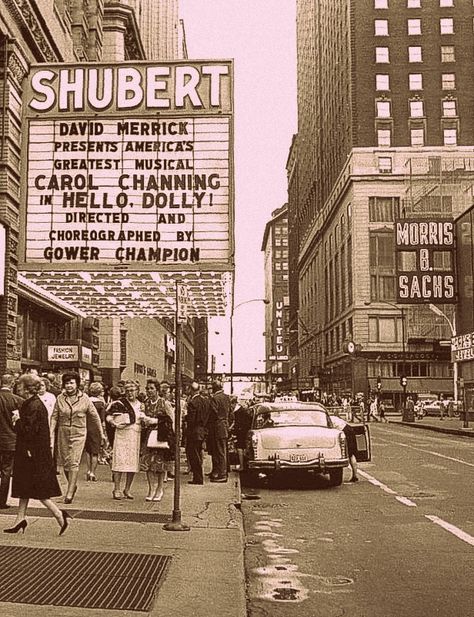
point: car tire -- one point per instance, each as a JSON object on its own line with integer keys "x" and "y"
{"x": 335, "y": 476}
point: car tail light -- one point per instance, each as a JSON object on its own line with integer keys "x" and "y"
{"x": 343, "y": 444}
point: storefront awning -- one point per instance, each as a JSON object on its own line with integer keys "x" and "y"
{"x": 136, "y": 294}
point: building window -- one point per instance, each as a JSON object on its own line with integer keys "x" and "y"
{"x": 448, "y": 81}
{"x": 385, "y": 329}
{"x": 414, "y": 54}
{"x": 383, "y": 209}
{"x": 415, "y": 81}
{"x": 382, "y": 265}
{"x": 416, "y": 109}
{"x": 413, "y": 4}
{"x": 446, "y": 3}
{"x": 382, "y": 82}
{"x": 385, "y": 164}
{"x": 450, "y": 137}
{"x": 446, "y": 25}
{"x": 447, "y": 53}
{"x": 382, "y": 55}
{"x": 381, "y": 27}
{"x": 384, "y": 138}
{"x": 383, "y": 109}
{"x": 380, "y": 4}
{"x": 414, "y": 26}
{"x": 417, "y": 137}
{"x": 449, "y": 108}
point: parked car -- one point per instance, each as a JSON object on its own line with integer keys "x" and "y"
{"x": 296, "y": 436}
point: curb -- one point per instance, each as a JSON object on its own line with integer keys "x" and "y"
{"x": 437, "y": 429}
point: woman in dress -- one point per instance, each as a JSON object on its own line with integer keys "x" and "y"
{"x": 72, "y": 412}
{"x": 34, "y": 474}
{"x": 127, "y": 416}
{"x": 94, "y": 438}
{"x": 155, "y": 461}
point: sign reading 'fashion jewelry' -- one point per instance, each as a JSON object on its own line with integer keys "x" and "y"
{"x": 129, "y": 166}
{"x": 425, "y": 256}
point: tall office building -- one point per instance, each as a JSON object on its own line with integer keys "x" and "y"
{"x": 385, "y": 130}
{"x": 275, "y": 249}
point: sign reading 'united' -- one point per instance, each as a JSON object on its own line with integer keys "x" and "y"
{"x": 129, "y": 166}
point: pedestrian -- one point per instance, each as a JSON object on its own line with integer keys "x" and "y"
{"x": 127, "y": 416}
{"x": 52, "y": 384}
{"x": 34, "y": 474}
{"x": 47, "y": 397}
{"x": 115, "y": 394}
{"x": 382, "y": 412}
{"x": 9, "y": 409}
{"x": 351, "y": 444}
{"x": 219, "y": 422}
{"x": 199, "y": 409}
{"x": 95, "y": 438}
{"x": 240, "y": 428}
{"x": 72, "y": 411}
{"x": 155, "y": 461}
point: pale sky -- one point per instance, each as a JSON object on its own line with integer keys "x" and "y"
{"x": 260, "y": 36}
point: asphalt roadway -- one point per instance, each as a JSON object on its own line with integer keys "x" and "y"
{"x": 399, "y": 543}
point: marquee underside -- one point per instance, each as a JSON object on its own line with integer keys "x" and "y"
{"x": 135, "y": 294}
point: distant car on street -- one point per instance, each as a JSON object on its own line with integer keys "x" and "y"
{"x": 295, "y": 436}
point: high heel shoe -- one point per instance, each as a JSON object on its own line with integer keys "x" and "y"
{"x": 65, "y": 524}
{"x": 127, "y": 495}
{"x": 158, "y": 496}
{"x": 19, "y": 526}
{"x": 117, "y": 495}
{"x": 70, "y": 499}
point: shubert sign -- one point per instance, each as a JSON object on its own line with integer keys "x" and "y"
{"x": 425, "y": 257}
{"x": 129, "y": 166}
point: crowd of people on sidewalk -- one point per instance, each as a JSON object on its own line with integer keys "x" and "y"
{"x": 49, "y": 422}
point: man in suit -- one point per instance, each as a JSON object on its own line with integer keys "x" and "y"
{"x": 9, "y": 406}
{"x": 220, "y": 419}
{"x": 198, "y": 410}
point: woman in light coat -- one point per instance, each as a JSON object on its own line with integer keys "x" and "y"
{"x": 127, "y": 416}
{"x": 72, "y": 411}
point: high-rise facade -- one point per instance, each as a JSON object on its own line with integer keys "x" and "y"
{"x": 275, "y": 249}
{"x": 385, "y": 130}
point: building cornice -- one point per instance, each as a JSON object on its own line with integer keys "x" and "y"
{"x": 31, "y": 24}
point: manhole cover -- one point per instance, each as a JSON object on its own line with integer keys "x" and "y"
{"x": 83, "y": 579}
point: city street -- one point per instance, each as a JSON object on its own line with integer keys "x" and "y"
{"x": 398, "y": 543}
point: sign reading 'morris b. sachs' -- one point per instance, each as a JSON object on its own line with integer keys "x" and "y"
{"x": 129, "y": 166}
{"x": 425, "y": 256}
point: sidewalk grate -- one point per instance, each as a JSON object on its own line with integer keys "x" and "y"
{"x": 82, "y": 579}
{"x": 102, "y": 515}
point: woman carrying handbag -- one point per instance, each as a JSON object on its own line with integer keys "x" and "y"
{"x": 158, "y": 444}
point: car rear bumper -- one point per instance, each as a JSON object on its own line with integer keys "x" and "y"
{"x": 319, "y": 464}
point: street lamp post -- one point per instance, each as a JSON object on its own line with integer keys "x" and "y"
{"x": 234, "y": 308}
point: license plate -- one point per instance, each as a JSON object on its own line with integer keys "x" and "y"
{"x": 298, "y": 458}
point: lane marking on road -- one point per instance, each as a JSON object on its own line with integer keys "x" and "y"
{"x": 449, "y": 458}
{"x": 405, "y": 501}
{"x": 459, "y": 533}
{"x": 376, "y": 482}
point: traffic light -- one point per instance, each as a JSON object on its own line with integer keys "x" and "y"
{"x": 403, "y": 381}
{"x": 379, "y": 383}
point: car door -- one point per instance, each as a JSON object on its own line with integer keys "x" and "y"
{"x": 363, "y": 445}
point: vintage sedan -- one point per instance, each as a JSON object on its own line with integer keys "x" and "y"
{"x": 291, "y": 436}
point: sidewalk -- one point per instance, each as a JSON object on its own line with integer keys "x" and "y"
{"x": 451, "y": 426}
{"x": 205, "y": 575}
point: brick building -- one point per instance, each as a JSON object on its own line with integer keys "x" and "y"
{"x": 385, "y": 130}
{"x": 30, "y": 320}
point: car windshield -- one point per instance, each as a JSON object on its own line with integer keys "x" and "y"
{"x": 290, "y": 417}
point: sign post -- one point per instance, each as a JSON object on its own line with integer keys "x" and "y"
{"x": 176, "y": 524}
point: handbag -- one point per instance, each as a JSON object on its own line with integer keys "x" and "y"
{"x": 152, "y": 441}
